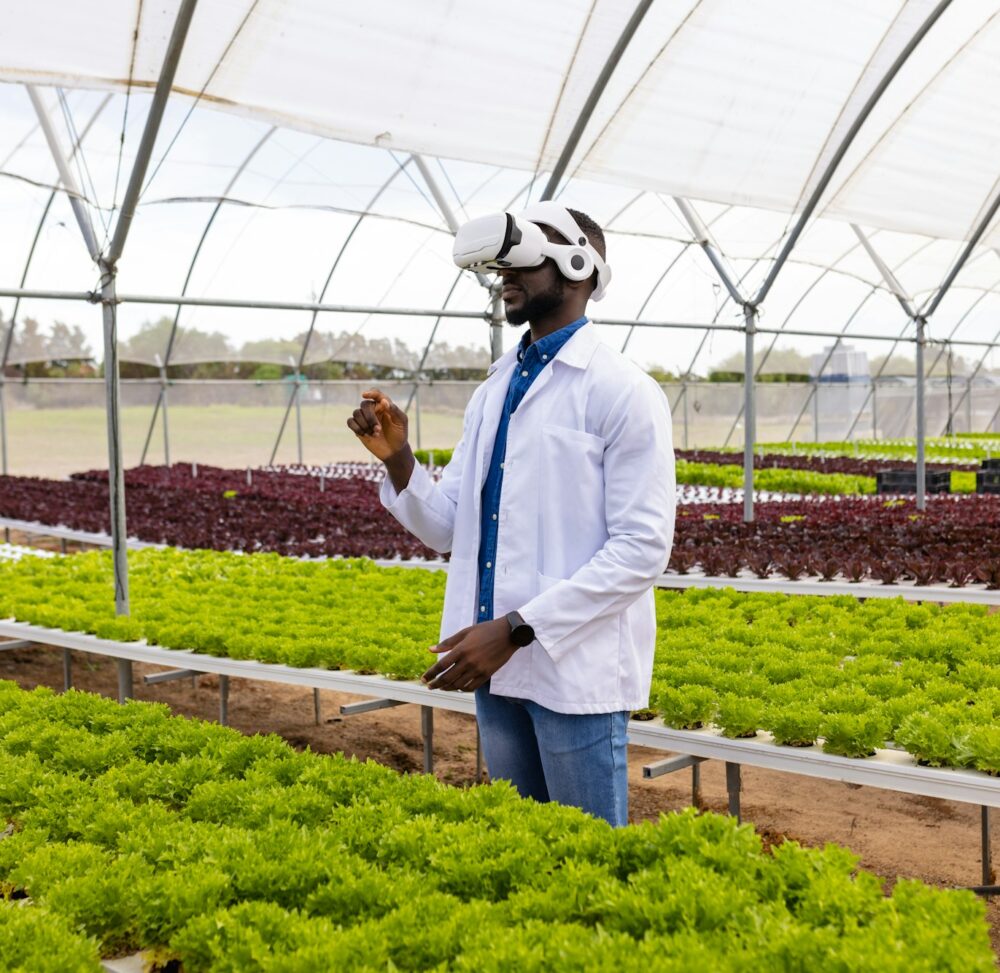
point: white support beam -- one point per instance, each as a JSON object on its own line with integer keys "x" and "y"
{"x": 66, "y": 177}
{"x": 600, "y": 83}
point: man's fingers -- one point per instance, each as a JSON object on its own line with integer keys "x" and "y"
{"x": 368, "y": 411}
{"x": 436, "y": 670}
{"x": 364, "y": 423}
{"x": 452, "y": 640}
{"x": 452, "y": 678}
{"x": 396, "y": 412}
{"x": 373, "y": 394}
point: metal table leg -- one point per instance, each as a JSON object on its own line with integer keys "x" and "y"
{"x": 67, "y": 670}
{"x": 224, "y": 700}
{"x": 125, "y": 688}
{"x": 733, "y": 785}
{"x": 427, "y": 729}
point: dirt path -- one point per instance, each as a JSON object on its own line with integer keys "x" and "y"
{"x": 895, "y": 835}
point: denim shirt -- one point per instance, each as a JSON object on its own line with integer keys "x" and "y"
{"x": 531, "y": 358}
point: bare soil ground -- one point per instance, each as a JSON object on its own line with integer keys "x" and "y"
{"x": 895, "y": 835}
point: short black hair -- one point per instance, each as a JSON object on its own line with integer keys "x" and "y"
{"x": 594, "y": 233}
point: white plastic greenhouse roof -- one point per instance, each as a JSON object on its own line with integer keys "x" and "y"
{"x": 303, "y": 118}
{"x": 719, "y": 100}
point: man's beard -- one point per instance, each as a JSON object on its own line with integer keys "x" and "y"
{"x": 538, "y": 306}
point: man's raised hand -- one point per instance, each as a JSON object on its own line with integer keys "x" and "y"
{"x": 380, "y": 424}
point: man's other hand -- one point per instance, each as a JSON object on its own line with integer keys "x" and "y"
{"x": 471, "y": 656}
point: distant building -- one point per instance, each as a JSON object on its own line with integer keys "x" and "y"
{"x": 845, "y": 365}
{"x": 843, "y": 380}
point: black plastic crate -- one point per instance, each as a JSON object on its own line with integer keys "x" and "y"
{"x": 990, "y": 464}
{"x": 905, "y": 481}
{"x": 988, "y": 481}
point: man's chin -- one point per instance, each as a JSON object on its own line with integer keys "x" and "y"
{"x": 517, "y": 315}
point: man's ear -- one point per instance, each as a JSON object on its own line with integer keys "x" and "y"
{"x": 586, "y": 286}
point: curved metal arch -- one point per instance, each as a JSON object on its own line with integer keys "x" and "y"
{"x": 171, "y": 337}
{"x": 41, "y": 222}
{"x": 684, "y": 249}
{"x": 897, "y": 340}
{"x": 874, "y": 290}
{"x": 923, "y": 90}
{"x": 400, "y": 168}
{"x": 845, "y": 144}
{"x": 9, "y": 336}
{"x": 587, "y": 110}
{"x": 673, "y": 36}
{"x": 844, "y": 333}
{"x": 966, "y": 393}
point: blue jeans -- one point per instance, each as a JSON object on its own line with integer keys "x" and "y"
{"x": 575, "y": 759}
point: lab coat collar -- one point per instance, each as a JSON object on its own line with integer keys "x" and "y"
{"x": 576, "y": 353}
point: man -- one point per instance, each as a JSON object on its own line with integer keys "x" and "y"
{"x": 558, "y": 510}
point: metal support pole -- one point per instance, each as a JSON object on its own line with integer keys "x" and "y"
{"x": 73, "y": 194}
{"x": 921, "y": 325}
{"x": 749, "y": 411}
{"x": 825, "y": 177}
{"x": 67, "y": 661}
{"x": 161, "y": 402}
{"x": 874, "y": 394}
{"x": 152, "y": 427}
{"x": 734, "y": 785}
{"x": 427, "y": 731}
{"x": 224, "y": 700}
{"x": 116, "y": 470}
{"x": 696, "y": 800}
{"x": 298, "y": 414}
{"x": 815, "y": 394}
{"x": 317, "y": 708}
{"x": 594, "y": 97}
{"x": 985, "y": 845}
{"x": 125, "y": 685}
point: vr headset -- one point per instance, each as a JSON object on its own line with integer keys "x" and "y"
{"x": 492, "y": 243}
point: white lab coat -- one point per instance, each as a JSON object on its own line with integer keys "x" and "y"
{"x": 586, "y": 522}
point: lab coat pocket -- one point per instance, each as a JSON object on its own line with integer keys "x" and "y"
{"x": 589, "y": 661}
{"x": 573, "y": 523}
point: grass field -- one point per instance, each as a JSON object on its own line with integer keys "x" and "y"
{"x": 55, "y": 442}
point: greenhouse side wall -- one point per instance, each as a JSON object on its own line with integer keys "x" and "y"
{"x": 57, "y": 426}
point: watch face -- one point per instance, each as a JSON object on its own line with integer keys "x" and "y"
{"x": 523, "y": 635}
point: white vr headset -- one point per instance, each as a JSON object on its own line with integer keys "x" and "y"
{"x": 503, "y": 240}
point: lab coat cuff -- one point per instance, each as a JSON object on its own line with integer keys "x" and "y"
{"x": 419, "y": 488}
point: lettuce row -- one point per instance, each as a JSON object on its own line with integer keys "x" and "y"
{"x": 855, "y": 674}
{"x": 132, "y": 829}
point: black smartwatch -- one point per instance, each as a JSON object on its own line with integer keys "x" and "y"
{"x": 521, "y": 633}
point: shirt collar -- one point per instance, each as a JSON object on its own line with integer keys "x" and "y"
{"x": 549, "y": 346}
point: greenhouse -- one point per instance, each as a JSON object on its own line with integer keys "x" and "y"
{"x": 226, "y": 221}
